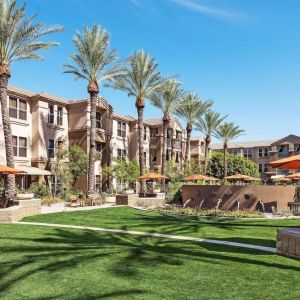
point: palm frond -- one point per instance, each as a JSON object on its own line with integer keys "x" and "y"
{"x": 93, "y": 57}
{"x": 19, "y": 37}
{"x": 228, "y": 132}
{"x": 209, "y": 122}
{"x": 139, "y": 77}
{"x": 192, "y": 108}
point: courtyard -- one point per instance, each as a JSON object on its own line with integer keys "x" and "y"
{"x": 49, "y": 263}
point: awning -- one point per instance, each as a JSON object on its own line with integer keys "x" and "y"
{"x": 34, "y": 171}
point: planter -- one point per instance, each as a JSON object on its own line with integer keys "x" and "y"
{"x": 24, "y": 196}
{"x": 110, "y": 199}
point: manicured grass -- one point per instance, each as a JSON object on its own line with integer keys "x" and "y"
{"x": 260, "y": 232}
{"x": 48, "y": 263}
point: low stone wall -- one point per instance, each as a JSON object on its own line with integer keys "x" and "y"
{"x": 248, "y": 196}
{"x": 135, "y": 200}
{"x": 288, "y": 242}
{"x": 24, "y": 208}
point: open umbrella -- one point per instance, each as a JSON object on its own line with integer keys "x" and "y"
{"x": 5, "y": 170}
{"x": 152, "y": 176}
{"x": 196, "y": 177}
{"x": 241, "y": 177}
{"x": 295, "y": 176}
{"x": 288, "y": 163}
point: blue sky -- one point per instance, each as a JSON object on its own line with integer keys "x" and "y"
{"x": 244, "y": 55}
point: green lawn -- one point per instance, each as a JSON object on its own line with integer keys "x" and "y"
{"x": 49, "y": 263}
{"x": 261, "y": 232}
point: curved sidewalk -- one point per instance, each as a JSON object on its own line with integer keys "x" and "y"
{"x": 157, "y": 235}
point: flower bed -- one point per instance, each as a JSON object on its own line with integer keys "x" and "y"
{"x": 211, "y": 212}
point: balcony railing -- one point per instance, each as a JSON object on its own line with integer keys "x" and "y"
{"x": 283, "y": 154}
{"x": 177, "y": 144}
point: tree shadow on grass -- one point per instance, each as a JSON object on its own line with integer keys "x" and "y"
{"x": 59, "y": 250}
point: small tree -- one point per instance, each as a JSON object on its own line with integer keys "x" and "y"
{"x": 235, "y": 165}
{"x": 77, "y": 163}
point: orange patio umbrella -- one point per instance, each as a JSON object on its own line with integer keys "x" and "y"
{"x": 5, "y": 170}
{"x": 295, "y": 176}
{"x": 152, "y": 176}
{"x": 197, "y": 177}
{"x": 241, "y": 177}
{"x": 288, "y": 163}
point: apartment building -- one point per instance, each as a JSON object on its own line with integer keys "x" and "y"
{"x": 39, "y": 124}
{"x": 197, "y": 148}
{"x": 79, "y": 134}
{"x": 264, "y": 152}
{"x": 175, "y": 142}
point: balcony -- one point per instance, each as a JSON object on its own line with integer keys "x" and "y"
{"x": 283, "y": 154}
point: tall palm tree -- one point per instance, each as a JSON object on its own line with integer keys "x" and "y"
{"x": 191, "y": 110}
{"x": 208, "y": 124}
{"x": 19, "y": 40}
{"x": 140, "y": 80}
{"x": 92, "y": 63}
{"x": 167, "y": 99}
{"x": 226, "y": 133}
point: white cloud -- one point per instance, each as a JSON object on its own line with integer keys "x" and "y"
{"x": 208, "y": 10}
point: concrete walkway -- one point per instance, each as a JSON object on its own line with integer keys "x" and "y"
{"x": 157, "y": 235}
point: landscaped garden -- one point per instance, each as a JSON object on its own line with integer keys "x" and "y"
{"x": 49, "y": 263}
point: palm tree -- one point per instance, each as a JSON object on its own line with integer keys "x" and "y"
{"x": 140, "y": 80}
{"x": 167, "y": 99}
{"x": 91, "y": 63}
{"x": 191, "y": 110}
{"x": 208, "y": 124}
{"x": 19, "y": 40}
{"x": 226, "y": 133}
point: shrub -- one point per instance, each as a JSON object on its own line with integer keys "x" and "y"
{"x": 235, "y": 165}
{"x": 173, "y": 194}
{"x": 212, "y": 212}
{"x": 40, "y": 190}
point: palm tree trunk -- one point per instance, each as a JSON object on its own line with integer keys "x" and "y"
{"x": 225, "y": 159}
{"x": 140, "y": 111}
{"x": 92, "y": 150}
{"x": 166, "y": 121}
{"x": 189, "y": 129}
{"x": 207, "y": 143}
{"x": 9, "y": 193}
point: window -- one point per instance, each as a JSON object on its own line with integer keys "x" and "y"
{"x": 154, "y": 156}
{"x": 60, "y": 144}
{"x": 17, "y": 108}
{"x": 145, "y": 133}
{"x": 15, "y": 145}
{"x": 20, "y": 146}
{"x": 169, "y": 133}
{"x": 50, "y": 148}
{"x": 283, "y": 151}
{"x": 122, "y": 129}
{"x": 59, "y": 115}
{"x": 247, "y": 153}
{"x": 153, "y": 132}
{"x": 98, "y": 120}
{"x": 263, "y": 168}
{"x": 99, "y": 147}
{"x": 297, "y": 148}
{"x": 177, "y": 157}
{"x": 234, "y": 151}
{"x": 263, "y": 152}
{"x": 50, "y": 113}
{"x": 145, "y": 158}
{"x": 122, "y": 154}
